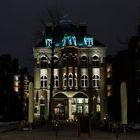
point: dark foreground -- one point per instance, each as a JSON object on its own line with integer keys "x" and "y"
{"x": 65, "y": 132}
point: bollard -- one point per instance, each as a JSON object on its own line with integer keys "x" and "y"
{"x": 56, "y": 129}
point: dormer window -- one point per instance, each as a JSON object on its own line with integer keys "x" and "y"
{"x": 69, "y": 40}
{"x": 88, "y": 41}
{"x": 48, "y": 42}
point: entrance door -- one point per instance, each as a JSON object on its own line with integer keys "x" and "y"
{"x": 60, "y": 104}
{"x": 59, "y": 110}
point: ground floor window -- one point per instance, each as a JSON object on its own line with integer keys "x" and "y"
{"x": 80, "y": 105}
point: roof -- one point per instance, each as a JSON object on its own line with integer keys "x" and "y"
{"x": 68, "y": 30}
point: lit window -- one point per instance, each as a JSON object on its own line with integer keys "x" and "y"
{"x": 109, "y": 90}
{"x": 84, "y": 61}
{"x": 69, "y": 39}
{"x": 64, "y": 80}
{"x": 86, "y": 108}
{"x": 73, "y": 108}
{"x": 16, "y": 89}
{"x": 75, "y": 80}
{"x": 43, "y": 82}
{"x": 48, "y": 42}
{"x": 98, "y": 108}
{"x": 109, "y": 93}
{"x": 43, "y": 62}
{"x": 96, "y": 81}
{"x": 80, "y": 100}
{"x": 56, "y": 81}
{"x": 98, "y": 99}
{"x": 95, "y": 61}
{"x": 70, "y": 80}
{"x": 88, "y": 41}
{"x": 84, "y": 81}
{"x": 16, "y": 77}
{"x": 108, "y": 74}
{"x": 16, "y": 83}
{"x": 109, "y": 87}
{"x": 109, "y": 67}
{"x": 86, "y": 100}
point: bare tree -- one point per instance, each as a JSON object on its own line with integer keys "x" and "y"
{"x": 55, "y": 15}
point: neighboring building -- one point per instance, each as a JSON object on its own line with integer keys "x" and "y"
{"x": 120, "y": 73}
{"x": 134, "y": 76}
{"x": 126, "y": 68}
{"x": 109, "y": 85}
{"x": 13, "y": 89}
{"x": 24, "y": 79}
{"x": 79, "y": 73}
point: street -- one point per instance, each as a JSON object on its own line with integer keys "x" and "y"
{"x": 64, "y": 133}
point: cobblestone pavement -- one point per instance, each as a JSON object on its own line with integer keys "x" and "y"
{"x": 64, "y": 133}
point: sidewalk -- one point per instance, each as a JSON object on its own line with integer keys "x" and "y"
{"x": 8, "y": 126}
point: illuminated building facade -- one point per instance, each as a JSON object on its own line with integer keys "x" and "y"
{"x": 78, "y": 73}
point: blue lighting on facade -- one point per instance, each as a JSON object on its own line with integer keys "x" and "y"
{"x": 48, "y": 42}
{"x": 69, "y": 40}
{"x": 88, "y": 41}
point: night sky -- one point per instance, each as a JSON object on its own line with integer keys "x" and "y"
{"x": 108, "y": 20}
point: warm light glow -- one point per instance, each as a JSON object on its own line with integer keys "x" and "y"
{"x": 98, "y": 99}
{"x": 16, "y": 83}
{"x": 109, "y": 87}
{"x": 109, "y": 67}
{"x": 96, "y": 71}
{"x": 108, "y": 75}
{"x": 43, "y": 72}
{"x": 98, "y": 108}
{"x": 109, "y": 93}
{"x": 16, "y": 89}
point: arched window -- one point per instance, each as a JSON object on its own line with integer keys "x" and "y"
{"x": 56, "y": 81}
{"x": 55, "y": 60}
{"x": 64, "y": 80}
{"x": 42, "y": 100}
{"x": 70, "y": 78}
{"x": 75, "y": 82}
{"x": 95, "y": 61}
{"x": 43, "y": 81}
{"x": 43, "y": 62}
{"x": 84, "y": 81}
{"x": 96, "y": 81}
{"x": 84, "y": 61}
